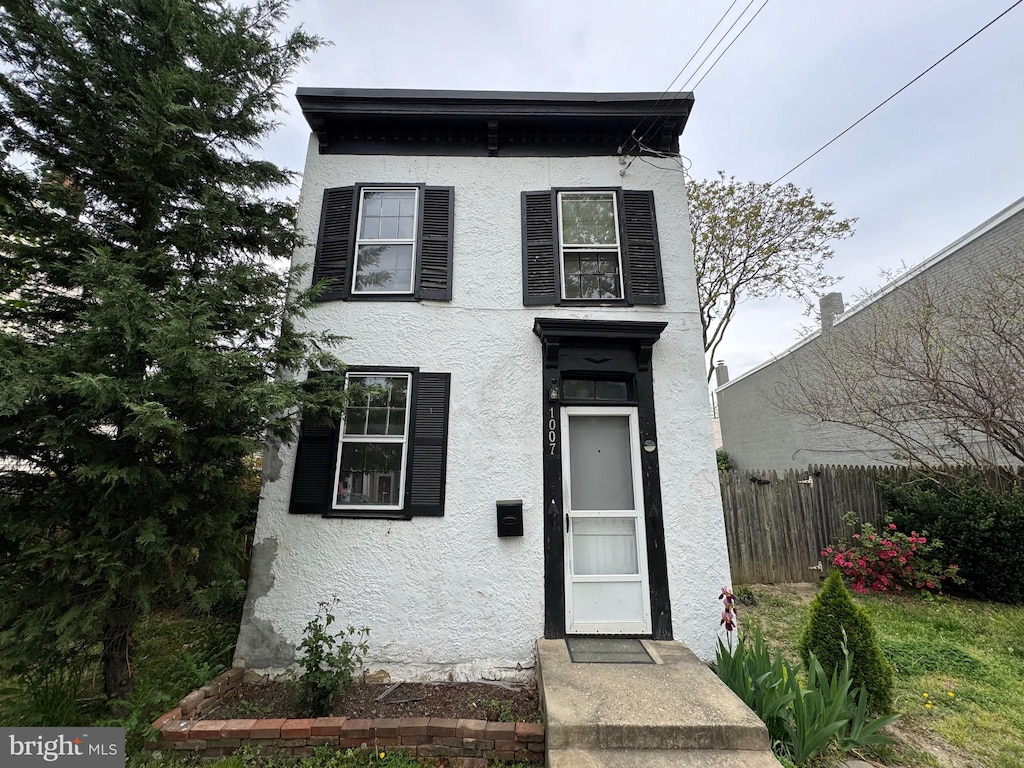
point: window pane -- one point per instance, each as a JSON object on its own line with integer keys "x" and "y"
{"x": 612, "y": 390}
{"x": 588, "y": 218}
{"x": 355, "y": 421}
{"x": 579, "y": 390}
{"x": 590, "y": 275}
{"x": 370, "y": 473}
{"x": 572, "y": 286}
{"x": 604, "y": 545}
{"x": 376, "y": 421}
{"x": 385, "y": 396}
{"x": 396, "y": 422}
{"x": 600, "y": 462}
{"x": 384, "y": 268}
{"x": 388, "y": 214}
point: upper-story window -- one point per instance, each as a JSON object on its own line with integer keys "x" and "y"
{"x": 591, "y": 246}
{"x": 386, "y": 241}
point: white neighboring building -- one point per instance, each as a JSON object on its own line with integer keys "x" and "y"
{"x": 534, "y": 457}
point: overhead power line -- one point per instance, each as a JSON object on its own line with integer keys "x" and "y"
{"x": 893, "y": 96}
{"x": 663, "y": 115}
{"x": 708, "y": 72}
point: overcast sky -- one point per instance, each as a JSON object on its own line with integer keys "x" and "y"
{"x": 936, "y": 161}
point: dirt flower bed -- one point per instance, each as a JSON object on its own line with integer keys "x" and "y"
{"x": 469, "y": 725}
{"x": 479, "y": 701}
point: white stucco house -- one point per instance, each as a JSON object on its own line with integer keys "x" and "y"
{"x": 527, "y": 451}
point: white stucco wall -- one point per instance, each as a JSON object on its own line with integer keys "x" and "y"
{"x": 445, "y": 596}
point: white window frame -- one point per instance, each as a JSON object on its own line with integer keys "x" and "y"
{"x": 360, "y": 240}
{"x": 403, "y": 439}
{"x": 563, "y": 248}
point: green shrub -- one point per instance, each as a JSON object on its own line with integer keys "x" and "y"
{"x": 981, "y": 529}
{"x": 724, "y": 460}
{"x": 888, "y": 560}
{"x": 328, "y": 660}
{"x": 833, "y": 620}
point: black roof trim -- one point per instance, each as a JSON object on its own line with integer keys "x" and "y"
{"x": 373, "y": 120}
{"x": 557, "y": 329}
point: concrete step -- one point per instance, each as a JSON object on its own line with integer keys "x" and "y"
{"x": 660, "y": 758}
{"x": 677, "y": 703}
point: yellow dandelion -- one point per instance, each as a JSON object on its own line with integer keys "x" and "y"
{"x": 925, "y": 695}
{"x": 381, "y": 755}
{"x": 950, "y": 694}
{"x": 928, "y": 705}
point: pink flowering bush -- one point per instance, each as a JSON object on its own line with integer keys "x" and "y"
{"x": 889, "y": 560}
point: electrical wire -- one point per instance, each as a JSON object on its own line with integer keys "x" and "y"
{"x": 682, "y": 69}
{"x": 894, "y": 95}
{"x": 660, "y": 121}
{"x": 729, "y": 45}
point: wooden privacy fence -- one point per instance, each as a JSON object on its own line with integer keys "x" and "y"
{"x": 778, "y": 523}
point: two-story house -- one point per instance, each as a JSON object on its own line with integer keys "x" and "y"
{"x": 526, "y": 450}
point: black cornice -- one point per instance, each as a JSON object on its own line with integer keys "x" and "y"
{"x": 559, "y": 330}
{"x": 380, "y": 121}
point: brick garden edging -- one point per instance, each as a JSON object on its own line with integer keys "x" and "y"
{"x": 469, "y": 743}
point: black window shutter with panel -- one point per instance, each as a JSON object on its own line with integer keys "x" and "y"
{"x": 334, "y": 244}
{"x": 428, "y": 444}
{"x": 642, "y": 252}
{"x": 435, "y": 260}
{"x": 314, "y": 467}
{"x": 540, "y": 249}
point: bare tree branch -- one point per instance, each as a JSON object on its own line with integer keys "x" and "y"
{"x": 935, "y": 367}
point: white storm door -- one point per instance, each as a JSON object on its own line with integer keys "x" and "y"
{"x": 606, "y": 588}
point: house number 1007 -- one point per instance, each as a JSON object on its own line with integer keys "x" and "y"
{"x": 552, "y": 436}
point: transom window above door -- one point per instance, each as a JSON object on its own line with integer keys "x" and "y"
{"x": 386, "y": 241}
{"x": 589, "y": 241}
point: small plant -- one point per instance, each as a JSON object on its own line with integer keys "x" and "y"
{"x": 889, "y": 560}
{"x": 745, "y": 596}
{"x": 724, "y": 460}
{"x": 803, "y": 719}
{"x": 328, "y": 660}
{"x": 834, "y": 622}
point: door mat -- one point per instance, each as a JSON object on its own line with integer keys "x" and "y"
{"x": 607, "y": 650}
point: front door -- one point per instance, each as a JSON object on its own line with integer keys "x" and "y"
{"x": 606, "y": 588}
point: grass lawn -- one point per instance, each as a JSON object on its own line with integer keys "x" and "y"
{"x": 970, "y": 649}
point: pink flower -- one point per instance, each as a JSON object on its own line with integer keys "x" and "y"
{"x": 892, "y": 526}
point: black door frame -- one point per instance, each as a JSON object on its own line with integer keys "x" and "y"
{"x": 619, "y": 348}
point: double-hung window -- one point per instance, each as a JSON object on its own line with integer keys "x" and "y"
{"x": 374, "y": 440}
{"x": 385, "y": 242}
{"x": 589, "y": 244}
{"x": 596, "y": 246}
{"x": 385, "y": 256}
{"x": 386, "y": 456}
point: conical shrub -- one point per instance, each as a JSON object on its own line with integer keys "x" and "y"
{"x": 833, "y": 611}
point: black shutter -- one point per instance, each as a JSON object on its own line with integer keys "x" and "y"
{"x": 435, "y": 260}
{"x": 428, "y": 444}
{"x": 540, "y": 268}
{"x": 314, "y": 467}
{"x": 643, "y": 254}
{"x": 334, "y": 244}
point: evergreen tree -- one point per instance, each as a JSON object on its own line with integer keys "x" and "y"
{"x": 835, "y": 619}
{"x": 145, "y": 341}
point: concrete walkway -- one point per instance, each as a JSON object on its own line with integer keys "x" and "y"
{"x": 674, "y": 712}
